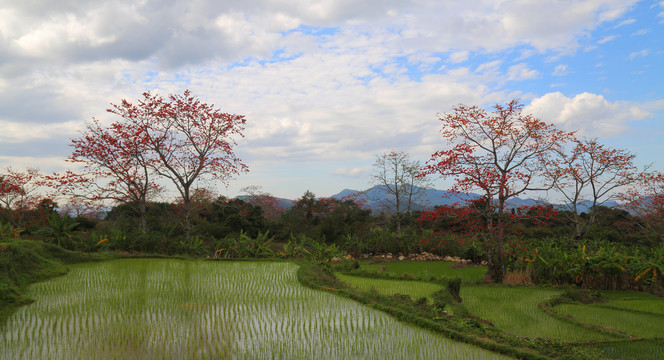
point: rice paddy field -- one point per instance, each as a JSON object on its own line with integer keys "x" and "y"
{"x": 183, "y": 309}
{"x": 515, "y": 310}
{"x": 637, "y": 314}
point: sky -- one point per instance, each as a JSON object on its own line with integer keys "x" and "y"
{"x": 326, "y": 86}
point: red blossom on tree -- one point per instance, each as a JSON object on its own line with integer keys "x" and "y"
{"x": 590, "y": 173}
{"x": 645, "y": 199}
{"x": 116, "y": 166}
{"x": 188, "y": 138}
{"x": 268, "y": 203}
{"x": 502, "y": 154}
{"x": 19, "y": 194}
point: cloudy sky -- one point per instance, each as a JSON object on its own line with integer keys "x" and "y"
{"x": 328, "y": 85}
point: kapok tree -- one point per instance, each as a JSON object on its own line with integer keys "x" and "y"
{"x": 645, "y": 200}
{"x": 189, "y": 139}
{"x": 19, "y": 193}
{"x": 500, "y": 154}
{"x": 270, "y": 204}
{"x": 590, "y": 174}
{"x": 117, "y": 166}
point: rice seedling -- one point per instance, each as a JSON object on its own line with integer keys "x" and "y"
{"x": 641, "y": 324}
{"x": 516, "y": 311}
{"x": 174, "y": 309}
{"x": 628, "y": 350}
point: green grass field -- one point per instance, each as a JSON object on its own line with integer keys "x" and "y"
{"x": 178, "y": 309}
{"x": 425, "y": 269}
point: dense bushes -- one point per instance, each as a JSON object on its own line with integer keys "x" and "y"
{"x": 593, "y": 264}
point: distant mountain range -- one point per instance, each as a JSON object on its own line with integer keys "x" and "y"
{"x": 426, "y": 199}
{"x": 377, "y": 198}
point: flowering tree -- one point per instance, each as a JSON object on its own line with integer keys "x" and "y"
{"x": 501, "y": 154}
{"x": 19, "y": 193}
{"x": 267, "y": 202}
{"x": 188, "y": 138}
{"x": 590, "y": 174}
{"x": 645, "y": 199}
{"x": 117, "y": 166}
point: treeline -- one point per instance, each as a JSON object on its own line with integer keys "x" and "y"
{"x": 615, "y": 253}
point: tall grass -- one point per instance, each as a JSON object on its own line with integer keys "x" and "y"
{"x": 424, "y": 269}
{"x": 175, "y": 309}
{"x": 415, "y": 289}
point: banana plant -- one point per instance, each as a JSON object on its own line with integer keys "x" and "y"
{"x": 58, "y": 229}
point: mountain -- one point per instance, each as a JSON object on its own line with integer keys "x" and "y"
{"x": 281, "y": 202}
{"x": 425, "y": 199}
{"x": 584, "y": 206}
{"x": 377, "y": 197}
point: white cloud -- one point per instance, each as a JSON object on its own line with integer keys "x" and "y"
{"x": 638, "y": 54}
{"x": 15, "y": 133}
{"x": 46, "y": 164}
{"x": 459, "y": 56}
{"x": 591, "y": 114}
{"x": 625, "y": 22}
{"x": 521, "y": 72}
{"x": 194, "y": 32}
{"x": 640, "y": 32}
{"x": 355, "y": 172}
{"x": 560, "y": 70}
{"x": 607, "y": 39}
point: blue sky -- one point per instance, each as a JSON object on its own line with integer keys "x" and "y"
{"x": 327, "y": 86}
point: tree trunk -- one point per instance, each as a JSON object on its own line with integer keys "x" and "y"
{"x": 144, "y": 222}
{"x": 496, "y": 262}
{"x": 186, "y": 203}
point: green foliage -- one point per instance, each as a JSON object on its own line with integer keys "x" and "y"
{"x": 23, "y": 262}
{"x": 6, "y": 230}
{"x": 193, "y": 245}
{"x": 593, "y": 264}
{"x": 454, "y": 288}
{"x": 325, "y": 218}
{"x": 304, "y": 247}
{"x": 245, "y": 246}
{"x": 59, "y": 229}
{"x": 228, "y": 217}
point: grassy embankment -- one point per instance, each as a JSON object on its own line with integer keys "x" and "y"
{"x": 23, "y": 262}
